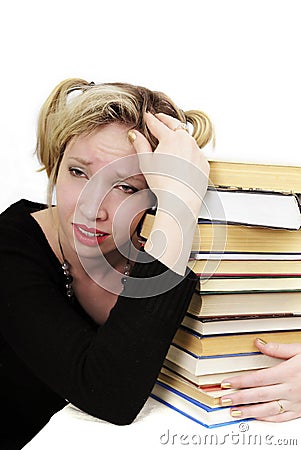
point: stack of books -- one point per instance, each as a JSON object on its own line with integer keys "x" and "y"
{"x": 247, "y": 254}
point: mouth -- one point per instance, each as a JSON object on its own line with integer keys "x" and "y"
{"x": 89, "y": 236}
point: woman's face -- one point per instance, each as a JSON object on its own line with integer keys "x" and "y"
{"x": 99, "y": 191}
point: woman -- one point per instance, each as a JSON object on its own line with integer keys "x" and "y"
{"x": 87, "y": 315}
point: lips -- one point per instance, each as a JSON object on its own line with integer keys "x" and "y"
{"x": 89, "y": 236}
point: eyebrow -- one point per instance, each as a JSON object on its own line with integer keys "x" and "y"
{"x": 125, "y": 176}
{"x": 122, "y": 176}
{"x": 83, "y": 161}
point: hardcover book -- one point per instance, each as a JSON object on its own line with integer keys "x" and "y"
{"x": 222, "y": 237}
{"x": 241, "y": 324}
{"x": 192, "y": 409}
{"x": 251, "y": 208}
{"x": 205, "y": 365}
{"x": 229, "y": 344}
{"x": 245, "y": 303}
{"x": 265, "y": 177}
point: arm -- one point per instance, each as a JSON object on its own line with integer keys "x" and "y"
{"x": 107, "y": 371}
{"x": 177, "y": 173}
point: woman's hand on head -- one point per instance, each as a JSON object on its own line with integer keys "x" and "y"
{"x": 177, "y": 173}
{"x": 177, "y": 166}
{"x": 176, "y": 141}
{"x": 272, "y": 394}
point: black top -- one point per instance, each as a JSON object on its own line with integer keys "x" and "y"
{"x": 52, "y": 353}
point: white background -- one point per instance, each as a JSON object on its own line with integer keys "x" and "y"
{"x": 238, "y": 60}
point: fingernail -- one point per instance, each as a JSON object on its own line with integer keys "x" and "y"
{"x": 236, "y": 413}
{"x": 131, "y": 136}
{"x": 226, "y": 401}
{"x": 226, "y": 385}
{"x": 261, "y": 341}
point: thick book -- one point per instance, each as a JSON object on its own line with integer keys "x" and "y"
{"x": 213, "y": 257}
{"x": 222, "y": 237}
{"x": 265, "y": 177}
{"x": 229, "y": 344}
{"x": 245, "y": 304}
{"x": 241, "y": 324}
{"x": 210, "y": 379}
{"x": 250, "y": 284}
{"x": 202, "y": 414}
{"x": 252, "y": 208}
{"x": 245, "y": 267}
{"x": 209, "y": 395}
{"x": 205, "y": 365}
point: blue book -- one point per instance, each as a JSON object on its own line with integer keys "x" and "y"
{"x": 192, "y": 409}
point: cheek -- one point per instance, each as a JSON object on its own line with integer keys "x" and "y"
{"x": 124, "y": 229}
{"x": 128, "y": 213}
{"x": 66, "y": 197}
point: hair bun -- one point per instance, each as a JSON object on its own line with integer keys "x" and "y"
{"x": 203, "y": 131}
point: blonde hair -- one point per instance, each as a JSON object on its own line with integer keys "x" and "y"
{"x": 77, "y": 107}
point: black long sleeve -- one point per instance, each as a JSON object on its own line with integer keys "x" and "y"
{"x": 51, "y": 352}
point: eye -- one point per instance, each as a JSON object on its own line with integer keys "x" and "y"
{"x": 76, "y": 172}
{"x": 126, "y": 188}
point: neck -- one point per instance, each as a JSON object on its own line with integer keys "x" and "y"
{"x": 107, "y": 271}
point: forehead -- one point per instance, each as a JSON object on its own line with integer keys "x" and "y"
{"x": 106, "y": 148}
{"x": 105, "y": 143}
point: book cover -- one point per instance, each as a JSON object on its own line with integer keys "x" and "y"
{"x": 241, "y": 324}
{"x": 251, "y": 208}
{"x": 245, "y": 303}
{"x": 208, "y": 395}
{"x": 229, "y": 344}
{"x": 213, "y": 258}
{"x": 265, "y": 177}
{"x": 222, "y": 237}
{"x": 206, "y": 365}
{"x": 249, "y": 284}
{"x": 201, "y": 380}
{"x": 194, "y": 410}
{"x": 243, "y": 267}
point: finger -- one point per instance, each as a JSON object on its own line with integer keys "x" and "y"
{"x": 269, "y": 410}
{"x": 290, "y": 415}
{"x": 254, "y": 395}
{"x": 139, "y": 142}
{"x": 160, "y": 128}
{"x": 283, "y": 351}
{"x": 262, "y": 377}
{"x": 169, "y": 121}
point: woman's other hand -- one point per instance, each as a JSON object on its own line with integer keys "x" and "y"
{"x": 273, "y": 394}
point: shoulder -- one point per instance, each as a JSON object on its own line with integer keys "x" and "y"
{"x": 23, "y": 207}
{"x": 18, "y": 216}
{"x": 20, "y": 232}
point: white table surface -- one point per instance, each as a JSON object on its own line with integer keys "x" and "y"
{"x": 159, "y": 427}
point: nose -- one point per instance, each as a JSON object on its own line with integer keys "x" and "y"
{"x": 92, "y": 211}
{"x": 102, "y": 213}
{"x": 93, "y": 203}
